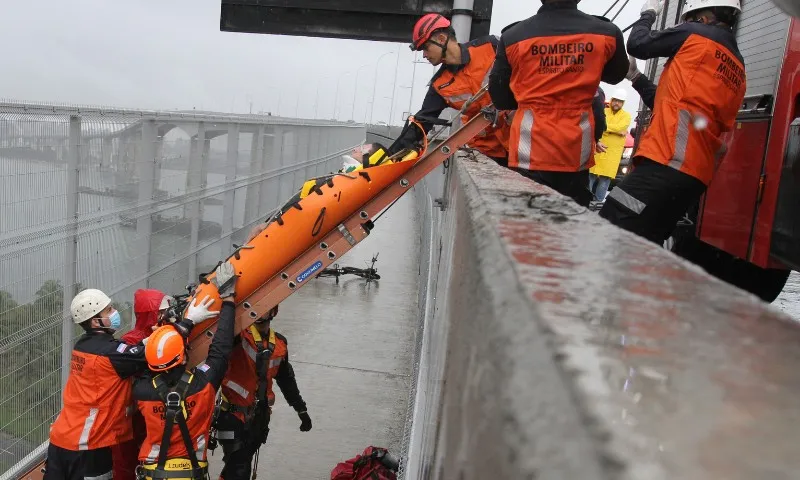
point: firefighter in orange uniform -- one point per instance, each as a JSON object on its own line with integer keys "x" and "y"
{"x": 260, "y": 357}
{"x": 95, "y": 415}
{"x": 177, "y": 403}
{"x": 548, "y": 68}
{"x": 464, "y": 70}
{"x": 697, "y": 100}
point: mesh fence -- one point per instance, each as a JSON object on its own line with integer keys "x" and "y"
{"x": 120, "y": 200}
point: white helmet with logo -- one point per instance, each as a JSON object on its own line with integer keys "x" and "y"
{"x": 87, "y": 304}
{"x": 792, "y": 7}
{"x": 694, "y": 5}
{"x": 620, "y": 94}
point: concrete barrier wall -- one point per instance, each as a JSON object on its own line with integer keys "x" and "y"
{"x": 557, "y": 346}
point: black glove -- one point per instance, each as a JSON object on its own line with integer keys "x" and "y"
{"x": 305, "y": 421}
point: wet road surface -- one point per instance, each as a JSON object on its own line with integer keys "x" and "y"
{"x": 789, "y": 299}
{"x": 352, "y": 348}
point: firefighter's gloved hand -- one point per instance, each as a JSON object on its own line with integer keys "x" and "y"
{"x": 633, "y": 70}
{"x": 654, "y": 6}
{"x": 225, "y": 280}
{"x": 199, "y": 312}
{"x": 305, "y": 421}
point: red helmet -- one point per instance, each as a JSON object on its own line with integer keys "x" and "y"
{"x": 424, "y": 27}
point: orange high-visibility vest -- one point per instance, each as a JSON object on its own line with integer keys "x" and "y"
{"x": 96, "y": 411}
{"x": 456, "y": 88}
{"x": 698, "y": 98}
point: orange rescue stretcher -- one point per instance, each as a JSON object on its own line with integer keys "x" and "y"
{"x": 322, "y": 223}
{"x": 317, "y": 230}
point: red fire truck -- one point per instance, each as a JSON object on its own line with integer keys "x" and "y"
{"x": 746, "y": 229}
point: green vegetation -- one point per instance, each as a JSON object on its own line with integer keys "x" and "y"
{"x": 30, "y": 355}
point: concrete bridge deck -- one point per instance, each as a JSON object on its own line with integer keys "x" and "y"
{"x": 576, "y": 350}
{"x": 352, "y": 348}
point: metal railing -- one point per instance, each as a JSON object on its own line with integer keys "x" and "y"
{"x": 121, "y": 200}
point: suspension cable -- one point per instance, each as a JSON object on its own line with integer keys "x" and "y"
{"x": 620, "y": 10}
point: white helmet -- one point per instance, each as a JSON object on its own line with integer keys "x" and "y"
{"x": 87, "y": 304}
{"x": 694, "y": 5}
{"x": 792, "y": 7}
{"x": 165, "y": 302}
{"x": 620, "y": 94}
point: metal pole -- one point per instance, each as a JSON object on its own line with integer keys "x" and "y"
{"x": 195, "y": 180}
{"x": 413, "y": 77}
{"x": 462, "y": 23}
{"x": 229, "y": 201}
{"x": 145, "y": 166}
{"x": 394, "y": 88}
{"x": 336, "y": 97}
{"x": 355, "y": 90}
{"x": 316, "y": 100}
{"x": 375, "y": 86}
{"x": 71, "y": 252}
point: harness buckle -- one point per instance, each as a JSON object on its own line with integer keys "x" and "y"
{"x": 173, "y": 399}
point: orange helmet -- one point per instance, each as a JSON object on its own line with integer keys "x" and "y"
{"x": 165, "y": 349}
{"x": 425, "y": 27}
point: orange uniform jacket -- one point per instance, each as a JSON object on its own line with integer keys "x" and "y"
{"x": 453, "y": 85}
{"x": 199, "y": 401}
{"x": 97, "y": 395}
{"x": 548, "y": 68}
{"x": 240, "y": 384}
{"x": 698, "y": 97}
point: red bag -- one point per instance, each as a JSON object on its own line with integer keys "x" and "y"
{"x": 374, "y": 464}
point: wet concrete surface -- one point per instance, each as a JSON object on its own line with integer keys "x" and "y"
{"x": 668, "y": 372}
{"x": 352, "y": 348}
{"x": 789, "y": 300}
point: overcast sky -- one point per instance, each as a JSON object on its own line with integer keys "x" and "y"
{"x": 170, "y": 54}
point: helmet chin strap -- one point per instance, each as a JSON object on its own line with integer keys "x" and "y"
{"x": 444, "y": 48}
{"x": 108, "y": 330}
{"x": 104, "y": 329}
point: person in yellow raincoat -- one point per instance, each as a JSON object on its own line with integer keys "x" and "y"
{"x": 618, "y": 121}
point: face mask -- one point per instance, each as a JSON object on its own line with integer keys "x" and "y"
{"x": 116, "y": 320}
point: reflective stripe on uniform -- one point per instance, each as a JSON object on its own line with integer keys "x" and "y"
{"x": 586, "y": 140}
{"x": 162, "y": 342}
{"x": 626, "y": 200}
{"x": 83, "y": 441}
{"x": 681, "y": 140}
{"x": 237, "y": 388}
{"x": 524, "y": 148}
{"x": 226, "y": 435}
{"x": 275, "y": 362}
{"x": 106, "y": 476}
{"x": 201, "y": 446}
{"x": 458, "y": 98}
{"x": 154, "y": 451}
{"x": 488, "y": 74}
{"x": 249, "y": 350}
